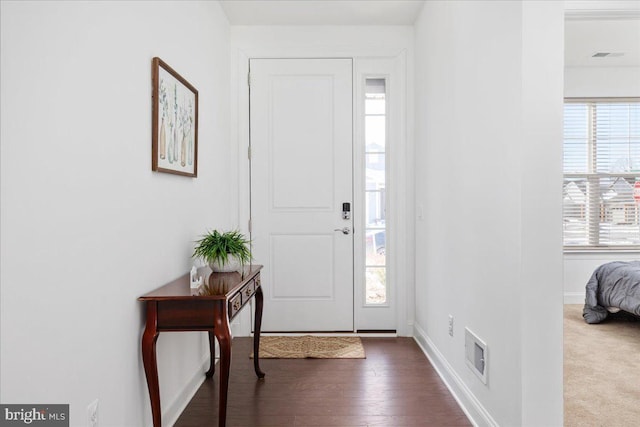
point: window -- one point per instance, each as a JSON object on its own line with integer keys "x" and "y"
{"x": 601, "y": 189}
{"x": 375, "y": 133}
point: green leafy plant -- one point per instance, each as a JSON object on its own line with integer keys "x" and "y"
{"x": 216, "y": 247}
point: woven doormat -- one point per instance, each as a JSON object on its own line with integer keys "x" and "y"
{"x": 286, "y": 347}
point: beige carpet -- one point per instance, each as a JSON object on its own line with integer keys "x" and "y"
{"x": 601, "y": 371}
{"x": 302, "y": 347}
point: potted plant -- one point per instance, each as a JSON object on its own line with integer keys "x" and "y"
{"x": 224, "y": 252}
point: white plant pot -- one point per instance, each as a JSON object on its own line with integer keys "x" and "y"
{"x": 232, "y": 264}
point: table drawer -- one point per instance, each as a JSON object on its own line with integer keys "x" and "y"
{"x": 235, "y": 304}
{"x": 248, "y": 290}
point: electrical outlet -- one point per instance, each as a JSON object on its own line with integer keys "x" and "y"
{"x": 92, "y": 414}
{"x": 450, "y": 325}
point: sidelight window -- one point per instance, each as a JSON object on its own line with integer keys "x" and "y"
{"x": 375, "y": 129}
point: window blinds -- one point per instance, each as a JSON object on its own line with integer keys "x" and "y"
{"x": 601, "y": 190}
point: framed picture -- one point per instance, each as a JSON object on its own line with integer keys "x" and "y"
{"x": 174, "y": 122}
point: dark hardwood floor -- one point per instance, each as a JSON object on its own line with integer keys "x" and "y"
{"x": 394, "y": 386}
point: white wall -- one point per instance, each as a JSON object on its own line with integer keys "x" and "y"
{"x": 601, "y": 82}
{"x": 334, "y": 41}
{"x": 86, "y": 226}
{"x": 310, "y": 40}
{"x": 541, "y": 228}
{"x": 488, "y": 111}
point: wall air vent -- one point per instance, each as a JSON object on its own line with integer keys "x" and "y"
{"x": 476, "y": 355}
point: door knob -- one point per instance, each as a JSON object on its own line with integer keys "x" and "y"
{"x": 345, "y": 230}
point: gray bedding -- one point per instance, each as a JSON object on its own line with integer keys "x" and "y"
{"x": 612, "y": 285}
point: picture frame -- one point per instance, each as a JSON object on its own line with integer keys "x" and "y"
{"x": 174, "y": 122}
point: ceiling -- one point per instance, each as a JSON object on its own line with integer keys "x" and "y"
{"x": 322, "y": 12}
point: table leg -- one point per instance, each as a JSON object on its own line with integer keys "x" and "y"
{"x": 212, "y": 350}
{"x": 223, "y": 334}
{"x": 257, "y": 324}
{"x": 149, "y": 339}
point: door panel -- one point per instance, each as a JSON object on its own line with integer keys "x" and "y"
{"x": 301, "y": 173}
{"x": 302, "y": 259}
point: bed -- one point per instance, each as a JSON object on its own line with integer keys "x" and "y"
{"x": 612, "y": 287}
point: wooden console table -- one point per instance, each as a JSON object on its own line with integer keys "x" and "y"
{"x": 177, "y": 307}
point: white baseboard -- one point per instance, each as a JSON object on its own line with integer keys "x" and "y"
{"x": 574, "y": 297}
{"x": 471, "y": 406}
{"x": 174, "y": 410}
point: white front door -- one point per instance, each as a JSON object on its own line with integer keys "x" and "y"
{"x": 301, "y": 175}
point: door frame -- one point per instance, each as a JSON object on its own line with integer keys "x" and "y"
{"x": 400, "y": 263}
